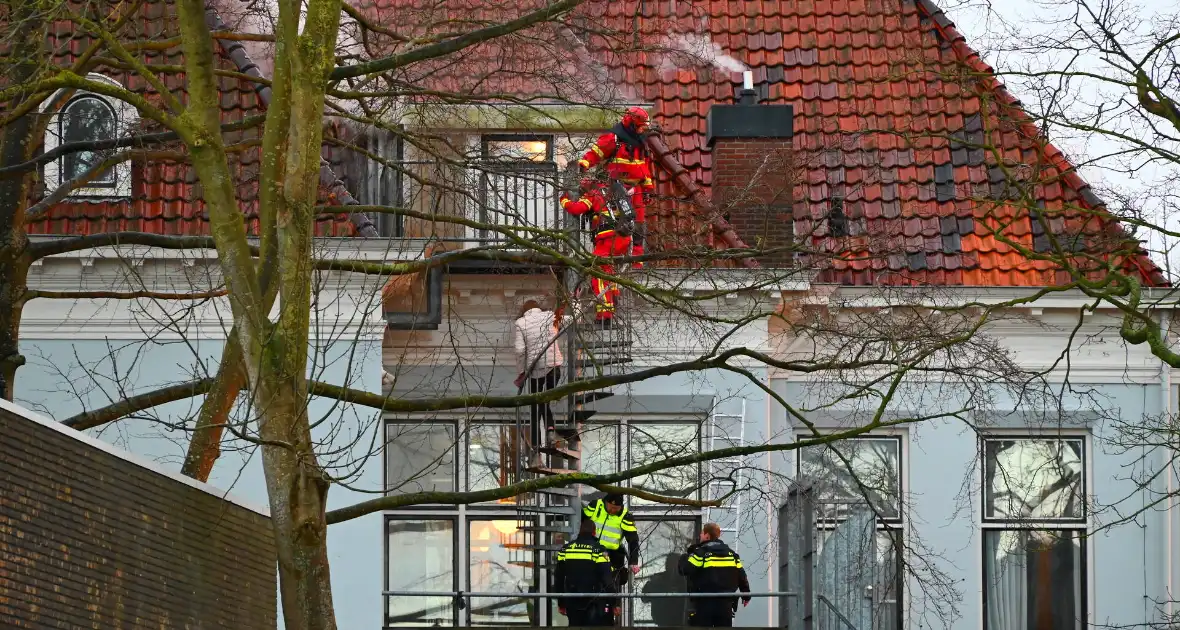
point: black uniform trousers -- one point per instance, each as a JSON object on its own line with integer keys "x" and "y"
{"x": 714, "y": 612}
{"x": 595, "y": 615}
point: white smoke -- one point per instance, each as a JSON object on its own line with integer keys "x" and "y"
{"x": 697, "y": 49}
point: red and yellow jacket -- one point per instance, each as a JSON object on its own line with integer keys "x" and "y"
{"x": 593, "y": 200}
{"x": 628, "y": 159}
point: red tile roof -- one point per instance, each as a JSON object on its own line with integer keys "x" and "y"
{"x": 165, "y": 197}
{"x": 886, "y": 116}
{"x": 878, "y": 111}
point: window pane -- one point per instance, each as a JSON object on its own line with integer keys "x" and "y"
{"x": 489, "y": 450}
{"x": 420, "y": 457}
{"x": 86, "y": 119}
{"x": 875, "y": 473}
{"x": 421, "y": 558}
{"x": 660, "y": 546}
{"x": 518, "y": 150}
{"x": 600, "y": 453}
{"x": 1033, "y": 579}
{"x": 657, "y": 442}
{"x": 499, "y": 566}
{"x": 1034, "y": 478}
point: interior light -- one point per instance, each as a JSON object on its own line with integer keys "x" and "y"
{"x": 484, "y": 534}
{"x": 505, "y": 527}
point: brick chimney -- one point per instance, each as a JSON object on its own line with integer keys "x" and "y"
{"x": 752, "y": 168}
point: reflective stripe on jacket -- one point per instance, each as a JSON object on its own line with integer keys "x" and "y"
{"x": 610, "y": 528}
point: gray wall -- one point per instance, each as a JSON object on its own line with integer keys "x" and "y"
{"x": 64, "y": 377}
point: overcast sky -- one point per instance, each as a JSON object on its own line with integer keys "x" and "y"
{"x": 998, "y": 28}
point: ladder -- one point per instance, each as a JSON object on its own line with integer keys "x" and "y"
{"x": 728, "y": 473}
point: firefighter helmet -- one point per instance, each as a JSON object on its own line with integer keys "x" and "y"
{"x": 635, "y": 119}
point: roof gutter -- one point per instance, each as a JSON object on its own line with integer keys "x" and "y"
{"x": 337, "y": 191}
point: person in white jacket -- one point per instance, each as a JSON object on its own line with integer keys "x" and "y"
{"x": 538, "y": 358}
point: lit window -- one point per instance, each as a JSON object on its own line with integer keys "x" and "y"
{"x": 499, "y": 564}
{"x": 86, "y": 118}
{"x": 518, "y": 149}
{"x": 1034, "y": 565}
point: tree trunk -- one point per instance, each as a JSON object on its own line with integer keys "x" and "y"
{"x": 16, "y": 145}
{"x": 298, "y": 492}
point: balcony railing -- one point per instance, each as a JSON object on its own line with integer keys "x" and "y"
{"x": 518, "y": 199}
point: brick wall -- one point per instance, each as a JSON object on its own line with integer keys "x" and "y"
{"x": 752, "y": 179}
{"x": 91, "y": 540}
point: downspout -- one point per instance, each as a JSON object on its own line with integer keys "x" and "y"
{"x": 338, "y": 193}
{"x": 1166, "y": 408}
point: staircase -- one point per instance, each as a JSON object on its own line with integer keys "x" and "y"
{"x": 549, "y": 518}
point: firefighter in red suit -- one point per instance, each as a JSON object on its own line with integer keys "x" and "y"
{"x": 608, "y": 243}
{"x": 625, "y": 157}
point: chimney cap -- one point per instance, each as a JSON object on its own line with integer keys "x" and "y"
{"x": 749, "y": 121}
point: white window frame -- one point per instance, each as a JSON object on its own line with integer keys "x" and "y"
{"x": 899, "y": 524}
{"x": 126, "y": 117}
{"x": 1080, "y": 525}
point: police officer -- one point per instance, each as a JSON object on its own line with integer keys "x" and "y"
{"x": 712, "y": 567}
{"x": 583, "y": 567}
{"x": 613, "y": 526}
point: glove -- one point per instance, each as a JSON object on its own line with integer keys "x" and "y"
{"x": 635, "y": 569}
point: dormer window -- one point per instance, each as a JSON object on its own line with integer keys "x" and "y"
{"x": 87, "y": 119}
{"x": 80, "y": 118}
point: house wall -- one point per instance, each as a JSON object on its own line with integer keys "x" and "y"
{"x": 1111, "y": 388}
{"x": 84, "y": 354}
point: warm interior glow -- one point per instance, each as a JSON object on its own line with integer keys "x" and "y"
{"x": 507, "y": 528}
{"x": 535, "y": 151}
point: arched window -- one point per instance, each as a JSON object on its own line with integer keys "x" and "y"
{"x": 79, "y": 116}
{"x": 87, "y": 118}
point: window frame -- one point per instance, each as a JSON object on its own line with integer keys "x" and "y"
{"x": 897, "y": 526}
{"x": 456, "y": 465}
{"x": 1081, "y": 526}
{"x": 626, "y": 452}
{"x": 902, "y": 477}
{"x": 456, "y": 577}
{"x": 126, "y": 118}
{"x": 696, "y": 518}
{"x": 465, "y": 466}
{"x": 488, "y": 166}
{"x": 484, "y": 517}
{"x": 62, "y": 119}
{"x": 1017, "y": 437}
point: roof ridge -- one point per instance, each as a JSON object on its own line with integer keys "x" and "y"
{"x": 236, "y": 51}
{"x": 1069, "y": 175}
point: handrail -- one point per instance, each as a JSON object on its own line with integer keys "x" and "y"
{"x": 610, "y": 595}
{"x": 832, "y": 607}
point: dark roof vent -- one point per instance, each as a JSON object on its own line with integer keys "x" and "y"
{"x": 837, "y": 220}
